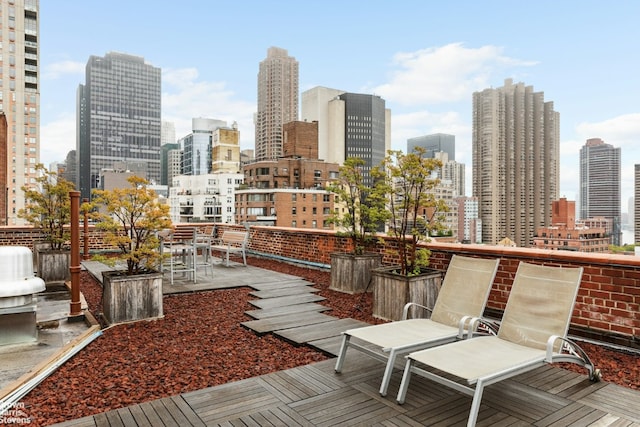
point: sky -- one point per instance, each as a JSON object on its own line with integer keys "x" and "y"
{"x": 425, "y": 58}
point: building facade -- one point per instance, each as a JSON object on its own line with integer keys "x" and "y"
{"x": 166, "y": 168}
{"x": 600, "y": 184}
{"x": 349, "y": 125}
{"x": 118, "y": 117}
{"x": 198, "y": 145}
{"x": 204, "y": 198}
{"x": 515, "y": 144}
{"x": 469, "y": 225}
{"x": 565, "y": 234}
{"x": 433, "y": 144}
{"x": 285, "y": 207}
{"x": 20, "y": 99}
{"x": 315, "y": 108}
{"x": 226, "y": 150}
{"x": 277, "y": 101}
{"x": 451, "y": 171}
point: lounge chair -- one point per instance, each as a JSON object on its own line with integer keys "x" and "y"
{"x": 463, "y": 296}
{"x": 533, "y": 331}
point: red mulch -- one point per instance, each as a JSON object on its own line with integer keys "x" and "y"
{"x": 200, "y": 343}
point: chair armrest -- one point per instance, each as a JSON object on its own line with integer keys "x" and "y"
{"x": 480, "y": 322}
{"x": 405, "y": 310}
{"x": 571, "y": 352}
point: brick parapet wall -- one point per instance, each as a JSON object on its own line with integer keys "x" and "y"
{"x": 608, "y": 302}
{"x": 607, "y": 306}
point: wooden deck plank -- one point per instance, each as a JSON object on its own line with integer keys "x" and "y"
{"x": 282, "y": 301}
{"x": 283, "y": 292}
{"x": 113, "y": 417}
{"x": 151, "y": 414}
{"x": 287, "y": 309}
{"x": 616, "y": 400}
{"x": 139, "y": 416}
{"x": 187, "y": 411}
{"x": 311, "y": 333}
{"x": 163, "y": 413}
{"x": 287, "y": 321}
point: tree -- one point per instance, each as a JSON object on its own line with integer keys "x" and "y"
{"x": 131, "y": 219}
{"x": 48, "y": 206}
{"x": 365, "y": 208}
{"x": 408, "y": 184}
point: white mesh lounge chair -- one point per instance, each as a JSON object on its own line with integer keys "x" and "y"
{"x": 463, "y": 296}
{"x": 533, "y": 332}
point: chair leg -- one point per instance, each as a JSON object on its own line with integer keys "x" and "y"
{"x": 404, "y": 385}
{"x": 475, "y": 404}
{"x": 388, "y": 371}
{"x": 343, "y": 353}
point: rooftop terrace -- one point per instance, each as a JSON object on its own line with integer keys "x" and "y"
{"x": 314, "y": 395}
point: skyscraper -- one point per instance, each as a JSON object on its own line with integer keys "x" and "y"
{"x": 516, "y": 136}
{"x": 118, "y": 111}
{"x": 277, "y": 101}
{"x": 20, "y": 97}
{"x": 433, "y": 144}
{"x": 349, "y": 125}
{"x": 197, "y": 146}
{"x": 600, "y": 184}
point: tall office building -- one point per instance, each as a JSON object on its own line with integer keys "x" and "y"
{"x": 600, "y": 184}
{"x": 433, "y": 144}
{"x": 451, "y": 171}
{"x": 167, "y": 133}
{"x": 516, "y": 151}
{"x": 277, "y": 101}
{"x": 118, "y": 111}
{"x": 20, "y": 98}
{"x": 197, "y": 146}
{"x": 349, "y": 125}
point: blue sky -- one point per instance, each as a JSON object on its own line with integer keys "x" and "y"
{"x": 425, "y": 58}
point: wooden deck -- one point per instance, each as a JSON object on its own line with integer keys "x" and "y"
{"x": 314, "y": 395}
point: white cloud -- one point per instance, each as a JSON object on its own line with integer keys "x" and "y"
{"x": 621, "y": 131}
{"x": 57, "y": 70}
{"x": 444, "y": 74}
{"x": 58, "y": 138}
{"x": 185, "y": 97}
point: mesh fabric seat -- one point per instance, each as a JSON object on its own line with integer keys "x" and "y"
{"x": 463, "y": 296}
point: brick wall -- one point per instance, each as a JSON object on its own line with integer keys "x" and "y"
{"x": 608, "y": 302}
{"x": 607, "y": 306}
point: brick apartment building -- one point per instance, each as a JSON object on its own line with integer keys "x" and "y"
{"x": 564, "y": 234}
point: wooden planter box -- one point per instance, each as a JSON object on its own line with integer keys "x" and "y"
{"x": 392, "y": 291}
{"x": 351, "y": 273}
{"x": 130, "y": 298}
{"x": 53, "y": 265}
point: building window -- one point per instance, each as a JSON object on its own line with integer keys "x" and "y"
{"x": 294, "y": 223}
{"x": 293, "y": 210}
{"x": 314, "y": 224}
{"x": 294, "y": 197}
{"x": 326, "y": 197}
{"x": 315, "y": 210}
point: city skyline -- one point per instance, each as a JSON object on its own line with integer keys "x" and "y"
{"x": 425, "y": 60}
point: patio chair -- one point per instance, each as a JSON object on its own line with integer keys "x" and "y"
{"x": 181, "y": 248}
{"x": 463, "y": 296}
{"x": 533, "y": 331}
